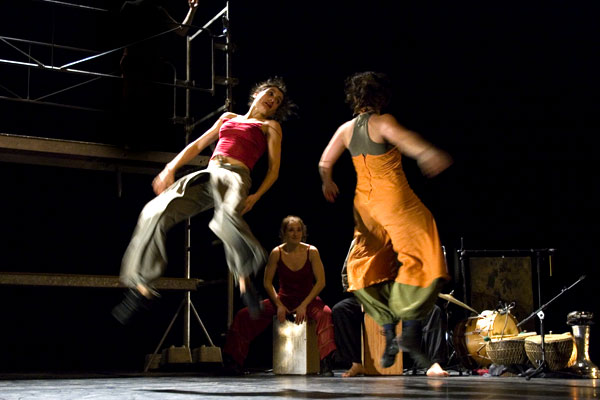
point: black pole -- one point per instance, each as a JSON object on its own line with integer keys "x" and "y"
{"x": 540, "y": 313}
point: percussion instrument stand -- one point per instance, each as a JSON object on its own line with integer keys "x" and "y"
{"x": 540, "y": 314}
{"x": 450, "y": 349}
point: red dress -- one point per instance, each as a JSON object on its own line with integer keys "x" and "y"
{"x": 294, "y": 286}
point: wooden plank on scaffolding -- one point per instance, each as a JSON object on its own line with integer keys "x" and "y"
{"x": 85, "y": 155}
{"x": 94, "y": 281}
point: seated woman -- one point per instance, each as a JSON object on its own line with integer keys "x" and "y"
{"x": 301, "y": 278}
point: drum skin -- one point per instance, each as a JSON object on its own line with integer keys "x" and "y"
{"x": 558, "y": 350}
{"x": 471, "y": 335}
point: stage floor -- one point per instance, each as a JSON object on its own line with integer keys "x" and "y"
{"x": 269, "y": 386}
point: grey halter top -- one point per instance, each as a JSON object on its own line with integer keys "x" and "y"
{"x": 361, "y": 143}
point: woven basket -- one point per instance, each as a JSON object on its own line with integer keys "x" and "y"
{"x": 507, "y": 351}
{"x": 558, "y": 350}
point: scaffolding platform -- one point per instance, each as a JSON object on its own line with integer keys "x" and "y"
{"x": 93, "y": 281}
{"x": 84, "y": 155}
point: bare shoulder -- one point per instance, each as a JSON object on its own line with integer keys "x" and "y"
{"x": 227, "y": 115}
{"x": 275, "y": 252}
{"x": 345, "y": 131}
{"x": 386, "y": 126}
{"x": 271, "y": 126}
{"x": 313, "y": 251}
{"x": 347, "y": 126}
{"x": 383, "y": 119}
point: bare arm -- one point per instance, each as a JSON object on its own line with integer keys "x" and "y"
{"x": 430, "y": 159}
{"x": 167, "y": 175}
{"x": 185, "y": 25}
{"x": 333, "y": 151}
{"x": 319, "y": 273}
{"x": 274, "y": 136}
{"x": 182, "y": 28}
{"x": 269, "y": 275}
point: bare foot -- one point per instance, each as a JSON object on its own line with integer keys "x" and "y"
{"x": 436, "y": 370}
{"x": 355, "y": 369}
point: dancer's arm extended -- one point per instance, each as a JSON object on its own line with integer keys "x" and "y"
{"x": 167, "y": 175}
{"x": 333, "y": 151}
{"x": 274, "y": 134}
{"x": 430, "y": 159}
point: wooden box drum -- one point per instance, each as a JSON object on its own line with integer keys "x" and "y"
{"x": 471, "y": 336}
{"x": 558, "y": 350}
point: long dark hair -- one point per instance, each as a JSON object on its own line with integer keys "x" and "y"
{"x": 287, "y": 108}
{"x": 368, "y": 91}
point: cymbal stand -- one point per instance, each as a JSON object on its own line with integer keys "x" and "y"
{"x": 543, "y": 366}
{"x": 450, "y": 349}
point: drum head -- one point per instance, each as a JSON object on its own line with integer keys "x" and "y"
{"x": 503, "y": 325}
{"x": 472, "y": 335}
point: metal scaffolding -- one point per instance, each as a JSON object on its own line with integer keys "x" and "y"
{"x": 80, "y": 62}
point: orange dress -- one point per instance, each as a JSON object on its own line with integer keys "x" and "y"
{"x": 396, "y": 238}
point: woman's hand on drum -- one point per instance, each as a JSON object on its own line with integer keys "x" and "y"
{"x": 282, "y": 313}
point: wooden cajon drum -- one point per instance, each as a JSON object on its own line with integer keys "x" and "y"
{"x": 295, "y": 350}
{"x": 373, "y": 344}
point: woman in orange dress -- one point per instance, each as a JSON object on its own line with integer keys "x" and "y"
{"x": 396, "y": 267}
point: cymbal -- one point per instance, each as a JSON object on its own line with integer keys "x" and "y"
{"x": 455, "y": 301}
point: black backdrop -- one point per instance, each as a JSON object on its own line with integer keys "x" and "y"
{"x": 510, "y": 90}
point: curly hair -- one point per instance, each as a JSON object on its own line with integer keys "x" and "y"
{"x": 288, "y": 220}
{"x": 370, "y": 91}
{"x": 287, "y": 108}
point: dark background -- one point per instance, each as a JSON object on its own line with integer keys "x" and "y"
{"x": 509, "y": 89}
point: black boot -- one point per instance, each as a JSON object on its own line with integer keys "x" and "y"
{"x": 133, "y": 304}
{"x": 412, "y": 332}
{"x": 391, "y": 347}
{"x": 327, "y": 365}
{"x": 231, "y": 367}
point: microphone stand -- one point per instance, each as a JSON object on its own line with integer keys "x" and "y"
{"x": 540, "y": 314}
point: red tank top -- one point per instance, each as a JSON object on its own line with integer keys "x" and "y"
{"x": 294, "y": 286}
{"x": 244, "y": 141}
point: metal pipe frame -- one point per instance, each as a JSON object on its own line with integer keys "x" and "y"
{"x": 66, "y": 68}
{"x": 189, "y": 126}
{"x": 37, "y": 64}
{"x": 73, "y": 5}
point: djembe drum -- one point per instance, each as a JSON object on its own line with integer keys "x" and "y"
{"x": 558, "y": 349}
{"x": 508, "y": 350}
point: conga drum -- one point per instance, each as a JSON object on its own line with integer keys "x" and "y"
{"x": 471, "y": 335}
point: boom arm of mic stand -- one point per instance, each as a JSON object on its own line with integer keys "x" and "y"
{"x": 540, "y": 313}
{"x": 543, "y": 307}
